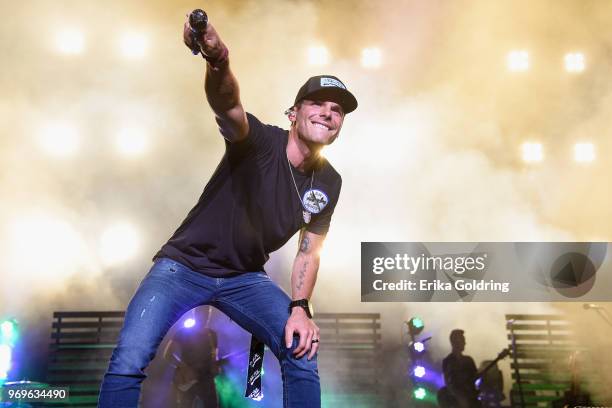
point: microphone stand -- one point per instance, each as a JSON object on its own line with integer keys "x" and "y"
{"x": 604, "y": 316}
{"x": 600, "y": 311}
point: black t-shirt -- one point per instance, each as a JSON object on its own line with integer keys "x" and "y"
{"x": 250, "y": 206}
{"x": 197, "y": 348}
{"x": 460, "y": 375}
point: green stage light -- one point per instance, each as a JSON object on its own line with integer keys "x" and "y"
{"x": 420, "y": 393}
{"x": 8, "y": 332}
{"x": 230, "y": 393}
{"x": 415, "y": 325}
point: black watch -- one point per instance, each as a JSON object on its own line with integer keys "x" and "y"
{"x": 304, "y": 304}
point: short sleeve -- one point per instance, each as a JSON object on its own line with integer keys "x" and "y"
{"x": 320, "y": 222}
{"x": 261, "y": 137}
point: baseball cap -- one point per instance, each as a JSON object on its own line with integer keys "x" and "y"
{"x": 327, "y": 87}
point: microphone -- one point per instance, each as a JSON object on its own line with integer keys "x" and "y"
{"x": 588, "y": 306}
{"x": 198, "y": 21}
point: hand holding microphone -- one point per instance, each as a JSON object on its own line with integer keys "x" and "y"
{"x": 198, "y": 22}
{"x": 202, "y": 38}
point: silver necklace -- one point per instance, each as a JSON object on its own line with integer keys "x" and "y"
{"x": 305, "y": 213}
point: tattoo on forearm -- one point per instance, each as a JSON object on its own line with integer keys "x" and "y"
{"x": 305, "y": 244}
{"x": 301, "y": 276}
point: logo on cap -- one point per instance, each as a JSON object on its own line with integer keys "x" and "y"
{"x": 332, "y": 82}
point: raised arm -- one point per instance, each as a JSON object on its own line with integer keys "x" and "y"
{"x": 220, "y": 84}
{"x": 303, "y": 279}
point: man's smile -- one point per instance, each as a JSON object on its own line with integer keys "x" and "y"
{"x": 321, "y": 125}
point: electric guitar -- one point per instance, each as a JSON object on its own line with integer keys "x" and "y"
{"x": 447, "y": 399}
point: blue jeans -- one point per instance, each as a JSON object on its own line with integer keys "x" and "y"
{"x": 169, "y": 290}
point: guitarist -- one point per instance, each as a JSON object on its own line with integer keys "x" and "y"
{"x": 460, "y": 375}
{"x": 192, "y": 352}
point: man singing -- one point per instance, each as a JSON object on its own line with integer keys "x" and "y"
{"x": 269, "y": 184}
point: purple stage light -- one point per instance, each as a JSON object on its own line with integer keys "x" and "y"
{"x": 419, "y": 371}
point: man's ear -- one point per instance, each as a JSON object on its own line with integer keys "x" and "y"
{"x": 291, "y": 114}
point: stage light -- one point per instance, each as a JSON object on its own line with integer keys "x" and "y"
{"x": 415, "y": 326}
{"x": 134, "y": 45}
{"x": 57, "y": 245}
{"x": 189, "y": 323}
{"x": 420, "y": 393}
{"x": 584, "y": 152}
{"x": 8, "y": 338}
{"x": 574, "y": 62}
{"x": 8, "y": 332}
{"x": 59, "y": 139}
{"x": 70, "y": 41}
{"x": 419, "y": 347}
{"x": 518, "y": 60}
{"x": 6, "y": 355}
{"x": 131, "y": 142}
{"x": 318, "y": 56}
{"x": 532, "y": 152}
{"x": 419, "y": 371}
{"x": 371, "y": 58}
{"x": 417, "y": 322}
{"x": 118, "y": 243}
{"x": 6, "y": 329}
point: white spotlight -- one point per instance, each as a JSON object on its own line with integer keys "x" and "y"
{"x": 131, "y": 141}
{"x": 57, "y": 245}
{"x": 59, "y": 139}
{"x": 584, "y": 152}
{"x": 5, "y": 360}
{"x": 134, "y": 45}
{"x": 574, "y": 62}
{"x": 70, "y": 41}
{"x": 118, "y": 243}
{"x": 532, "y": 152}
{"x": 518, "y": 60}
{"x": 371, "y": 58}
{"x": 318, "y": 55}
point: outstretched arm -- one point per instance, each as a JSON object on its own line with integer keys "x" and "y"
{"x": 221, "y": 86}
{"x": 303, "y": 279}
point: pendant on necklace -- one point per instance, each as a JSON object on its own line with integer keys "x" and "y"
{"x": 306, "y": 215}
